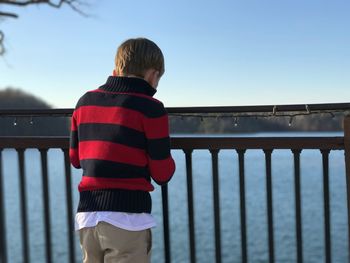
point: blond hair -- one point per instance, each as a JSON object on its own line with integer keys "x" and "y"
{"x": 135, "y": 56}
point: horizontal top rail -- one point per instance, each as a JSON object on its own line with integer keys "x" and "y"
{"x": 198, "y": 110}
{"x": 262, "y": 108}
{"x": 39, "y": 142}
{"x": 329, "y": 143}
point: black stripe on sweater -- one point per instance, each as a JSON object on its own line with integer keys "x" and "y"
{"x": 112, "y": 133}
{"x": 118, "y": 200}
{"x": 158, "y": 149}
{"x": 73, "y": 142}
{"x": 148, "y": 107}
{"x": 108, "y": 169}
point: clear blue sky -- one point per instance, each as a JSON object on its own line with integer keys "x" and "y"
{"x": 216, "y": 52}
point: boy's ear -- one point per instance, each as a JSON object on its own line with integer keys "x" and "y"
{"x": 114, "y": 73}
{"x": 152, "y": 77}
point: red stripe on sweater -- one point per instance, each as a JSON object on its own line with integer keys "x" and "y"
{"x": 73, "y": 126}
{"x": 74, "y": 157}
{"x": 112, "y": 152}
{"x": 93, "y": 183}
{"x": 156, "y": 128}
{"x": 162, "y": 170}
{"x": 111, "y": 115}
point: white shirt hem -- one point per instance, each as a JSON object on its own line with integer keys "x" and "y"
{"x": 132, "y": 222}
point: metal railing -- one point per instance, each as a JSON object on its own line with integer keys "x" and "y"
{"x": 188, "y": 145}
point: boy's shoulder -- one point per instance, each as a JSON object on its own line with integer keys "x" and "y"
{"x": 147, "y": 105}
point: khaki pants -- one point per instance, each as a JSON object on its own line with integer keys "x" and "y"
{"x": 106, "y": 243}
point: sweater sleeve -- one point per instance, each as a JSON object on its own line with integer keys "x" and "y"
{"x": 74, "y": 143}
{"x": 160, "y": 162}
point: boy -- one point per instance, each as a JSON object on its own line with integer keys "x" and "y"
{"x": 120, "y": 138}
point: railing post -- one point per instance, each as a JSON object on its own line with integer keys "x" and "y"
{"x": 347, "y": 169}
{"x": 46, "y": 199}
{"x": 327, "y": 213}
{"x": 69, "y": 200}
{"x": 188, "y": 154}
{"x": 166, "y": 224}
{"x": 23, "y": 205}
{"x": 268, "y": 153}
{"x": 241, "y": 153}
{"x": 216, "y": 202}
{"x": 298, "y": 211}
{"x": 3, "y": 247}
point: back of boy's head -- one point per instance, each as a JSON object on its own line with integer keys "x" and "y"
{"x": 135, "y": 56}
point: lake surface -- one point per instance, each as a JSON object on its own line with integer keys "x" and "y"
{"x": 283, "y": 205}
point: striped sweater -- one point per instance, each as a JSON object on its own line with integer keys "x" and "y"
{"x": 120, "y": 139}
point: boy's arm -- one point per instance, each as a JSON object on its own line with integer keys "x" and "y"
{"x": 160, "y": 163}
{"x": 74, "y": 143}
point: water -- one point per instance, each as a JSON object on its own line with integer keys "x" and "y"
{"x": 283, "y": 205}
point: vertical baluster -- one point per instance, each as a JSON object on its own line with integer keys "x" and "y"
{"x": 3, "y": 246}
{"x": 166, "y": 224}
{"x": 188, "y": 155}
{"x": 298, "y": 222}
{"x": 70, "y": 221}
{"x": 46, "y": 198}
{"x": 347, "y": 169}
{"x": 242, "y": 204}
{"x": 325, "y": 163}
{"x": 214, "y": 156}
{"x": 23, "y": 205}
{"x": 269, "y": 199}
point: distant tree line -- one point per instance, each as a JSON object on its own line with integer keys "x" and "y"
{"x": 11, "y": 98}
{"x": 319, "y": 122}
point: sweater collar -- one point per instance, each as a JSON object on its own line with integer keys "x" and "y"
{"x": 128, "y": 85}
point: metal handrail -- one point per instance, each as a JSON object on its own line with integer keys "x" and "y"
{"x": 183, "y": 143}
{"x": 198, "y": 110}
